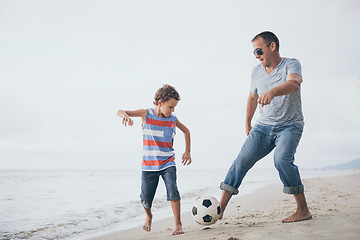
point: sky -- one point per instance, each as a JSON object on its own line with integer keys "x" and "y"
{"x": 66, "y": 67}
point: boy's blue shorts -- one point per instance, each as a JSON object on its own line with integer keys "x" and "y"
{"x": 149, "y": 183}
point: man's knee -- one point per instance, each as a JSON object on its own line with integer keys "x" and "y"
{"x": 283, "y": 163}
{"x": 283, "y": 156}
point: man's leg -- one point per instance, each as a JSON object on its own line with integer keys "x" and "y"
{"x": 257, "y": 145}
{"x": 225, "y": 198}
{"x": 302, "y": 212}
{"x": 287, "y": 141}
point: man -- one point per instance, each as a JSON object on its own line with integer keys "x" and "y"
{"x": 275, "y": 87}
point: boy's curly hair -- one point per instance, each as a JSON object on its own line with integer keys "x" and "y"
{"x": 165, "y": 93}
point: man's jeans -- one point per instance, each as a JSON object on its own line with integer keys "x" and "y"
{"x": 261, "y": 141}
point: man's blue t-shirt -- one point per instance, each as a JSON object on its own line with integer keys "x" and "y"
{"x": 282, "y": 110}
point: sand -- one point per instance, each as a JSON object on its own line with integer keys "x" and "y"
{"x": 334, "y": 203}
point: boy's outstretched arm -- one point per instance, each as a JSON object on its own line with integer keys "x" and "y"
{"x": 125, "y": 115}
{"x": 186, "y": 157}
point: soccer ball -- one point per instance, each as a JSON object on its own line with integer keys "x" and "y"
{"x": 206, "y": 210}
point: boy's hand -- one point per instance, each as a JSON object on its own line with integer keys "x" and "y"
{"x": 186, "y": 158}
{"x": 127, "y": 121}
{"x": 125, "y": 115}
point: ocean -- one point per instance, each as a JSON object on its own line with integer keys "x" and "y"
{"x": 78, "y": 204}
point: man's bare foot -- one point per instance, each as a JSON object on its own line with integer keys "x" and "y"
{"x": 225, "y": 198}
{"x": 221, "y": 215}
{"x": 178, "y": 230}
{"x": 298, "y": 216}
{"x": 147, "y": 224}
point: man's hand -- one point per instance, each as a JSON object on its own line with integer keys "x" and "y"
{"x": 291, "y": 85}
{"x": 248, "y": 128}
{"x": 266, "y": 98}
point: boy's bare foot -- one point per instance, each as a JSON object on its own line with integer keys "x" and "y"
{"x": 298, "y": 216}
{"x": 147, "y": 224}
{"x": 178, "y": 230}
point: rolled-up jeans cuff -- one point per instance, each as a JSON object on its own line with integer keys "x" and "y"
{"x": 294, "y": 190}
{"x": 224, "y": 186}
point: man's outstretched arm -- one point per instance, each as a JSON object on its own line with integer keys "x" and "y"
{"x": 291, "y": 85}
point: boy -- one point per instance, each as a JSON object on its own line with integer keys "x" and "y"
{"x": 159, "y": 129}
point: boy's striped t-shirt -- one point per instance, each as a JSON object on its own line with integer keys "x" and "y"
{"x": 158, "y": 139}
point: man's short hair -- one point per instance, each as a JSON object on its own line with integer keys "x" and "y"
{"x": 268, "y": 37}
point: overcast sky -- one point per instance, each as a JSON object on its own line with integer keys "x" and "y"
{"x": 66, "y": 67}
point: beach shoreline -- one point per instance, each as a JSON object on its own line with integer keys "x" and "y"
{"x": 333, "y": 201}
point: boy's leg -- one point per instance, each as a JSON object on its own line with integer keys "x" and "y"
{"x": 149, "y": 182}
{"x": 148, "y": 219}
{"x": 175, "y": 205}
{"x": 258, "y": 144}
{"x": 173, "y": 195}
{"x": 286, "y": 144}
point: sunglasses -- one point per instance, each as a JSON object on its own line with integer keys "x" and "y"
{"x": 259, "y": 51}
